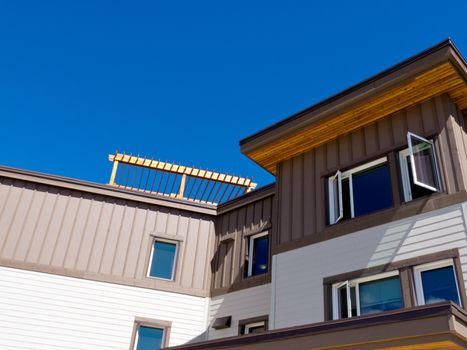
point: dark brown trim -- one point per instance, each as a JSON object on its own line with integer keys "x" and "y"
{"x": 249, "y": 282}
{"x": 149, "y": 322}
{"x": 262, "y": 318}
{"x": 408, "y": 287}
{"x": 419, "y": 260}
{"x": 405, "y": 210}
{"x": 385, "y": 327}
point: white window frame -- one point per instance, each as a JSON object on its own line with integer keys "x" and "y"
{"x": 172, "y": 278}
{"x": 339, "y": 176}
{"x": 247, "y": 326}
{"x": 433, "y": 266}
{"x": 354, "y": 283}
{"x": 408, "y": 152}
{"x": 251, "y": 240}
{"x": 135, "y": 345}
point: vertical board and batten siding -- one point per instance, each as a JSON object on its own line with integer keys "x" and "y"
{"x": 301, "y": 180}
{"x": 45, "y": 311}
{"x": 297, "y": 289}
{"x": 241, "y": 305}
{"x": 229, "y": 257}
{"x": 81, "y": 234}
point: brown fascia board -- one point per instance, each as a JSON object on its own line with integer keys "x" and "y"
{"x": 247, "y": 198}
{"x": 445, "y": 51}
{"x": 105, "y": 190}
{"x": 450, "y": 316}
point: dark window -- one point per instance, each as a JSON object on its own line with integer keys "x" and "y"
{"x": 372, "y": 190}
{"x": 362, "y": 190}
{"x": 149, "y": 338}
{"x": 439, "y": 285}
{"x": 380, "y": 295}
{"x": 162, "y": 263}
{"x": 258, "y": 254}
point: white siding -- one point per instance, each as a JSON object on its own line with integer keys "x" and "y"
{"x": 45, "y": 311}
{"x": 243, "y": 304}
{"x": 298, "y": 274}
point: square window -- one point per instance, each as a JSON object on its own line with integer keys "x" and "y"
{"x": 436, "y": 282}
{"x": 162, "y": 262}
{"x": 419, "y": 168}
{"x": 149, "y": 338}
{"x": 367, "y": 295}
{"x": 258, "y": 254}
{"x": 255, "y": 327}
{"x": 359, "y": 191}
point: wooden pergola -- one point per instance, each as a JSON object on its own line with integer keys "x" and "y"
{"x": 176, "y": 181}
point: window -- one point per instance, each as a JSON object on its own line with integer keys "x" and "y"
{"x": 359, "y": 191}
{"x": 258, "y": 254}
{"x": 367, "y": 295}
{"x": 162, "y": 261}
{"x": 436, "y": 282}
{"x": 419, "y": 168}
{"x": 256, "y": 327}
{"x": 149, "y": 338}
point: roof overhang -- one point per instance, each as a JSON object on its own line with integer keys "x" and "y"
{"x": 430, "y": 327}
{"x": 436, "y": 71}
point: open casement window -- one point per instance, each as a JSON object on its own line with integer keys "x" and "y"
{"x": 367, "y": 295}
{"x": 258, "y": 254}
{"x": 419, "y": 168}
{"x": 359, "y": 191}
{"x": 436, "y": 282}
{"x": 336, "y": 207}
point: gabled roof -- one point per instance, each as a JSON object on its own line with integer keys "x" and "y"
{"x": 435, "y": 71}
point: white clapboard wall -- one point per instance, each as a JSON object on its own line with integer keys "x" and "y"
{"x": 45, "y": 311}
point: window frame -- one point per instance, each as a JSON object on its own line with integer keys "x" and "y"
{"x": 417, "y": 271}
{"x": 404, "y": 169}
{"x": 355, "y": 283}
{"x": 340, "y": 176}
{"x": 250, "y": 252}
{"x": 151, "y": 257}
{"x": 150, "y": 323}
{"x": 253, "y": 322}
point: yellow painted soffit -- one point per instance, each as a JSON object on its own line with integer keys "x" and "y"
{"x": 441, "y": 79}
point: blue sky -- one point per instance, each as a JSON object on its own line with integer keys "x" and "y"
{"x": 184, "y": 81}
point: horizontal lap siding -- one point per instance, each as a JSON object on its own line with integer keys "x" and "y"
{"x": 74, "y": 233}
{"x": 302, "y": 179}
{"x": 228, "y": 262}
{"x": 44, "y": 311}
{"x": 244, "y": 304}
{"x": 299, "y": 273}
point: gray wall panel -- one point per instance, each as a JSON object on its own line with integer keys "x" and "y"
{"x": 79, "y": 234}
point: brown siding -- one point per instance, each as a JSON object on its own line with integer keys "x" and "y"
{"x": 87, "y": 235}
{"x": 232, "y": 229}
{"x": 301, "y": 180}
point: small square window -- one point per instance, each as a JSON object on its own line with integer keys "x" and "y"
{"x": 258, "y": 254}
{"x": 149, "y": 338}
{"x": 436, "y": 282}
{"x": 255, "y": 327}
{"x": 367, "y": 295}
{"x": 162, "y": 262}
{"x": 419, "y": 168}
{"x": 359, "y": 191}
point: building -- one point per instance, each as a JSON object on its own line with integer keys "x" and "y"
{"x": 361, "y": 243}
